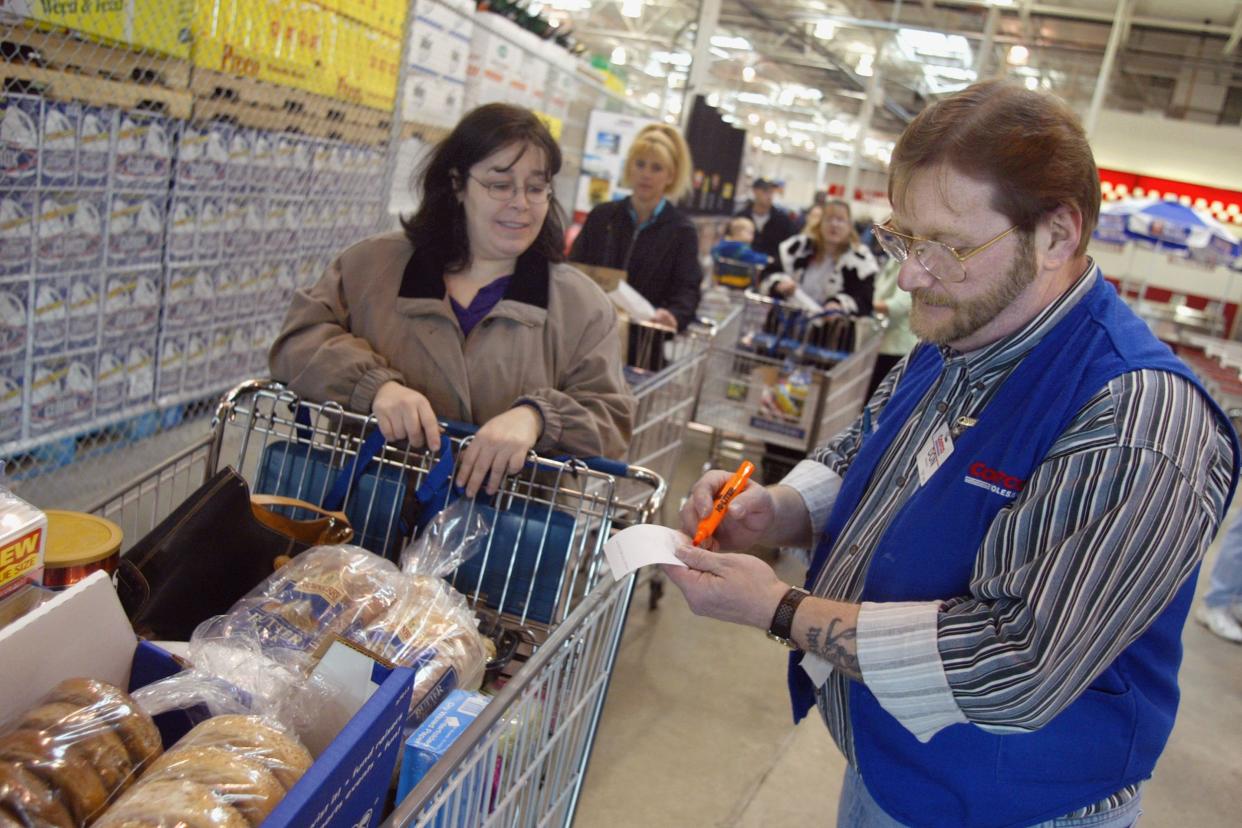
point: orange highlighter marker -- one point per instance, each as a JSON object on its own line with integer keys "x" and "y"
{"x": 736, "y": 483}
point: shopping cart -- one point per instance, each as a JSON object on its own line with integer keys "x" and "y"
{"x": 789, "y": 380}
{"x": 666, "y": 397}
{"x": 540, "y": 729}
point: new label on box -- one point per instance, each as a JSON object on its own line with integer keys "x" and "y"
{"x": 21, "y": 544}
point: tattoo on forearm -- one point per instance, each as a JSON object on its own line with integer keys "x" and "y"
{"x": 830, "y": 645}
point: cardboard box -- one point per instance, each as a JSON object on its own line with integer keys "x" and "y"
{"x": 197, "y": 361}
{"x": 20, "y": 117}
{"x": 437, "y": 733}
{"x": 227, "y": 278}
{"x": 171, "y": 365}
{"x": 220, "y": 369}
{"x": 96, "y": 137}
{"x": 250, "y": 278}
{"x": 131, "y": 304}
{"x": 85, "y": 310}
{"x": 12, "y": 397}
{"x": 262, "y": 163}
{"x": 70, "y": 234}
{"x": 62, "y": 392}
{"x": 291, "y": 160}
{"x": 344, "y": 788}
{"x": 110, "y": 380}
{"x": 210, "y": 232}
{"x": 17, "y": 223}
{"x": 58, "y": 156}
{"x": 136, "y": 229}
{"x": 247, "y": 239}
{"x": 149, "y": 25}
{"x": 189, "y": 297}
{"x": 144, "y": 152}
{"x": 237, "y": 176}
{"x": 140, "y": 372}
{"x": 49, "y": 321}
{"x": 203, "y": 157}
{"x": 182, "y": 245}
{"x": 284, "y": 219}
{"x": 14, "y": 319}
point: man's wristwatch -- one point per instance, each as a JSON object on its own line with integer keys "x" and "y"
{"x": 781, "y": 629}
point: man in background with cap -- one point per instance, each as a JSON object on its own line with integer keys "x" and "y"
{"x": 772, "y": 224}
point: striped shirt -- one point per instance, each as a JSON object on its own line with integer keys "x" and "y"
{"x": 1065, "y": 579}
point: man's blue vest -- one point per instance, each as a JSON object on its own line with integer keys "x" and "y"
{"x": 1112, "y": 734}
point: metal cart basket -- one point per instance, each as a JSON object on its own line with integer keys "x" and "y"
{"x": 783, "y": 385}
{"x": 541, "y": 577}
{"x": 666, "y": 397}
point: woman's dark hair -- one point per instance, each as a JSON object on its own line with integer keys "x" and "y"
{"x": 438, "y": 228}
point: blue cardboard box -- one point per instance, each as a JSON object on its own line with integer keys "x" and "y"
{"x": 431, "y": 739}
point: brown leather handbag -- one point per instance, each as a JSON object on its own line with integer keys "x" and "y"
{"x": 213, "y": 549}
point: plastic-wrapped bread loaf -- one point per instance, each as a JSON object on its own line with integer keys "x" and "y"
{"x": 235, "y": 769}
{"x": 64, "y": 760}
{"x": 432, "y": 629}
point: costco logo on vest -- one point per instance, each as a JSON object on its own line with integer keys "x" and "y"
{"x": 994, "y": 480}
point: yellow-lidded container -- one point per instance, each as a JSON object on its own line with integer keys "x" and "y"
{"x": 77, "y": 545}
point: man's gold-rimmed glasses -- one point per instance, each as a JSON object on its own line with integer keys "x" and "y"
{"x": 948, "y": 264}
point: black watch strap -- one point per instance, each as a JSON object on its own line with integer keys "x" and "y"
{"x": 781, "y": 629}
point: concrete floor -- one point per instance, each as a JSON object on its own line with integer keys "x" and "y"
{"x": 696, "y": 729}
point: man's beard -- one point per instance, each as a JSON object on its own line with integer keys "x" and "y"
{"x": 970, "y": 315}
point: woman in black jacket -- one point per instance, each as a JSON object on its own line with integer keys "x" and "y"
{"x": 644, "y": 234}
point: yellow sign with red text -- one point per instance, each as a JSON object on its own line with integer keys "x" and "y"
{"x": 21, "y": 558}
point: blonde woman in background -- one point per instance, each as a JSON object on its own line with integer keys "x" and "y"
{"x": 644, "y": 234}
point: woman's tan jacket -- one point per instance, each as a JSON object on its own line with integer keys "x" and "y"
{"x": 551, "y": 341}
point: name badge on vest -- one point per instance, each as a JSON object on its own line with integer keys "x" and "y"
{"x": 934, "y": 452}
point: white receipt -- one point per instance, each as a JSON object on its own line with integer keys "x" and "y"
{"x": 817, "y": 668}
{"x": 642, "y": 545}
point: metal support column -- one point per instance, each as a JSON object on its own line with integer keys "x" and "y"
{"x": 709, "y": 17}
{"x": 1121, "y": 24}
{"x": 983, "y": 61}
{"x": 875, "y": 91}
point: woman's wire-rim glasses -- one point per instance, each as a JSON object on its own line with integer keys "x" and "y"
{"x": 507, "y": 190}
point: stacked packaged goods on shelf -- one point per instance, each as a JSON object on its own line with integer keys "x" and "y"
{"x": 439, "y": 49}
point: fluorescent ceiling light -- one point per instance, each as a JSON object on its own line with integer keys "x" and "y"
{"x": 632, "y": 8}
{"x": 825, "y": 29}
{"x": 682, "y": 59}
{"x": 918, "y": 44}
{"x": 1018, "y": 55}
{"x": 652, "y": 99}
{"x": 720, "y": 53}
{"x": 864, "y": 66}
{"x": 618, "y": 56}
{"x": 748, "y": 73}
{"x": 727, "y": 42}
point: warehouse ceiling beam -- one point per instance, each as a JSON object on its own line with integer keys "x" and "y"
{"x": 1120, "y": 27}
{"x": 700, "y": 63}
{"x": 1236, "y": 34}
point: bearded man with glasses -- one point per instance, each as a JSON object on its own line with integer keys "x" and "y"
{"x": 1006, "y": 541}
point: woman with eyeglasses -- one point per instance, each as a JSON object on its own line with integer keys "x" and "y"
{"x": 644, "y": 234}
{"x": 469, "y": 314}
{"x": 829, "y": 263}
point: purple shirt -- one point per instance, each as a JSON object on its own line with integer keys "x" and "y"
{"x": 481, "y": 305}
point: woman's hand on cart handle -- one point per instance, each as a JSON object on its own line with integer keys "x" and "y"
{"x": 500, "y": 448}
{"x": 405, "y": 414}
{"x": 748, "y": 519}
